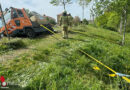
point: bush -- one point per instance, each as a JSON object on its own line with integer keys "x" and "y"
{"x": 76, "y": 20}
{"x": 102, "y": 20}
{"x": 85, "y": 22}
{"x": 51, "y": 21}
{"x": 109, "y": 20}
{"x": 113, "y": 21}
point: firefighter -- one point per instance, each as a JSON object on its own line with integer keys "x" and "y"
{"x": 70, "y": 20}
{"x": 64, "y": 22}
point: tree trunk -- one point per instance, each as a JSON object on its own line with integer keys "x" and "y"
{"x": 121, "y": 25}
{"x": 93, "y": 16}
{"x": 90, "y": 17}
{"x": 64, "y": 5}
{"x": 93, "y": 19}
{"x": 83, "y": 12}
{"x": 125, "y": 22}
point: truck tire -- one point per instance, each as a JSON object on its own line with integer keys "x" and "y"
{"x": 30, "y": 33}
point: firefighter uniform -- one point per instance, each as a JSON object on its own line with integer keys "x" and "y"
{"x": 64, "y": 23}
{"x": 70, "y": 21}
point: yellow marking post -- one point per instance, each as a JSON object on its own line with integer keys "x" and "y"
{"x": 112, "y": 75}
{"x": 96, "y": 68}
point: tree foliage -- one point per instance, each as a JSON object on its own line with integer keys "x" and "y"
{"x": 76, "y": 20}
{"x": 121, "y": 9}
{"x": 113, "y": 21}
{"x": 61, "y": 2}
{"x": 83, "y": 4}
{"x": 85, "y": 21}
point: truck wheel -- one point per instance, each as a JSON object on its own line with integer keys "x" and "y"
{"x": 30, "y": 33}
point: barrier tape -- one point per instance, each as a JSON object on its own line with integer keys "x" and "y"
{"x": 111, "y": 75}
{"x": 49, "y": 31}
{"x": 97, "y": 68}
{"x": 115, "y": 73}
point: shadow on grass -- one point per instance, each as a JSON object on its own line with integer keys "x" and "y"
{"x": 75, "y": 39}
{"x": 12, "y": 45}
{"x": 96, "y": 36}
{"x": 38, "y": 35}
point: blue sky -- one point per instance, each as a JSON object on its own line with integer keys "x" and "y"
{"x": 44, "y": 7}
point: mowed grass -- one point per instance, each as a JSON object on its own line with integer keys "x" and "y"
{"x": 59, "y": 65}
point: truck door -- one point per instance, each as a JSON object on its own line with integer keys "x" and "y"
{"x": 24, "y": 20}
{"x": 16, "y": 19}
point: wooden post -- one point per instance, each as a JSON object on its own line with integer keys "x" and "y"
{"x": 4, "y": 22}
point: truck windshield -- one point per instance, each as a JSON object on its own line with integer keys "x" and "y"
{"x": 7, "y": 16}
{"x": 1, "y": 24}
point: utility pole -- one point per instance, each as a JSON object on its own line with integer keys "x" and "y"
{"x": 2, "y": 15}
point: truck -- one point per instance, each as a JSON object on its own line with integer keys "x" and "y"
{"x": 18, "y": 23}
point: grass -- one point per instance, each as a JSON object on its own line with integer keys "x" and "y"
{"x": 59, "y": 65}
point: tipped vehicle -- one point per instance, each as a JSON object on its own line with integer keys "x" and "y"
{"x": 18, "y": 22}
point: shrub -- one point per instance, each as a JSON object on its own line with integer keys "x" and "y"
{"x": 76, "y": 20}
{"x": 102, "y": 20}
{"x": 85, "y": 21}
{"x": 113, "y": 21}
{"x": 109, "y": 20}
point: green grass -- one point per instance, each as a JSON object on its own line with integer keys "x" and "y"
{"x": 59, "y": 65}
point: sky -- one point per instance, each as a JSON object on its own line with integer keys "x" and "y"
{"x": 44, "y": 7}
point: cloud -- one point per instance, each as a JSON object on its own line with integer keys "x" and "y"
{"x": 44, "y": 7}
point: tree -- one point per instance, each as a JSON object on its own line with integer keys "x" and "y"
{"x": 92, "y": 14}
{"x": 100, "y": 6}
{"x": 85, "y": 21}
{"x": 61, "y": 2}
{"x": 76, "y": 20}
{"x": 83, "y": 4}
{"x": 123, "y": 9}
